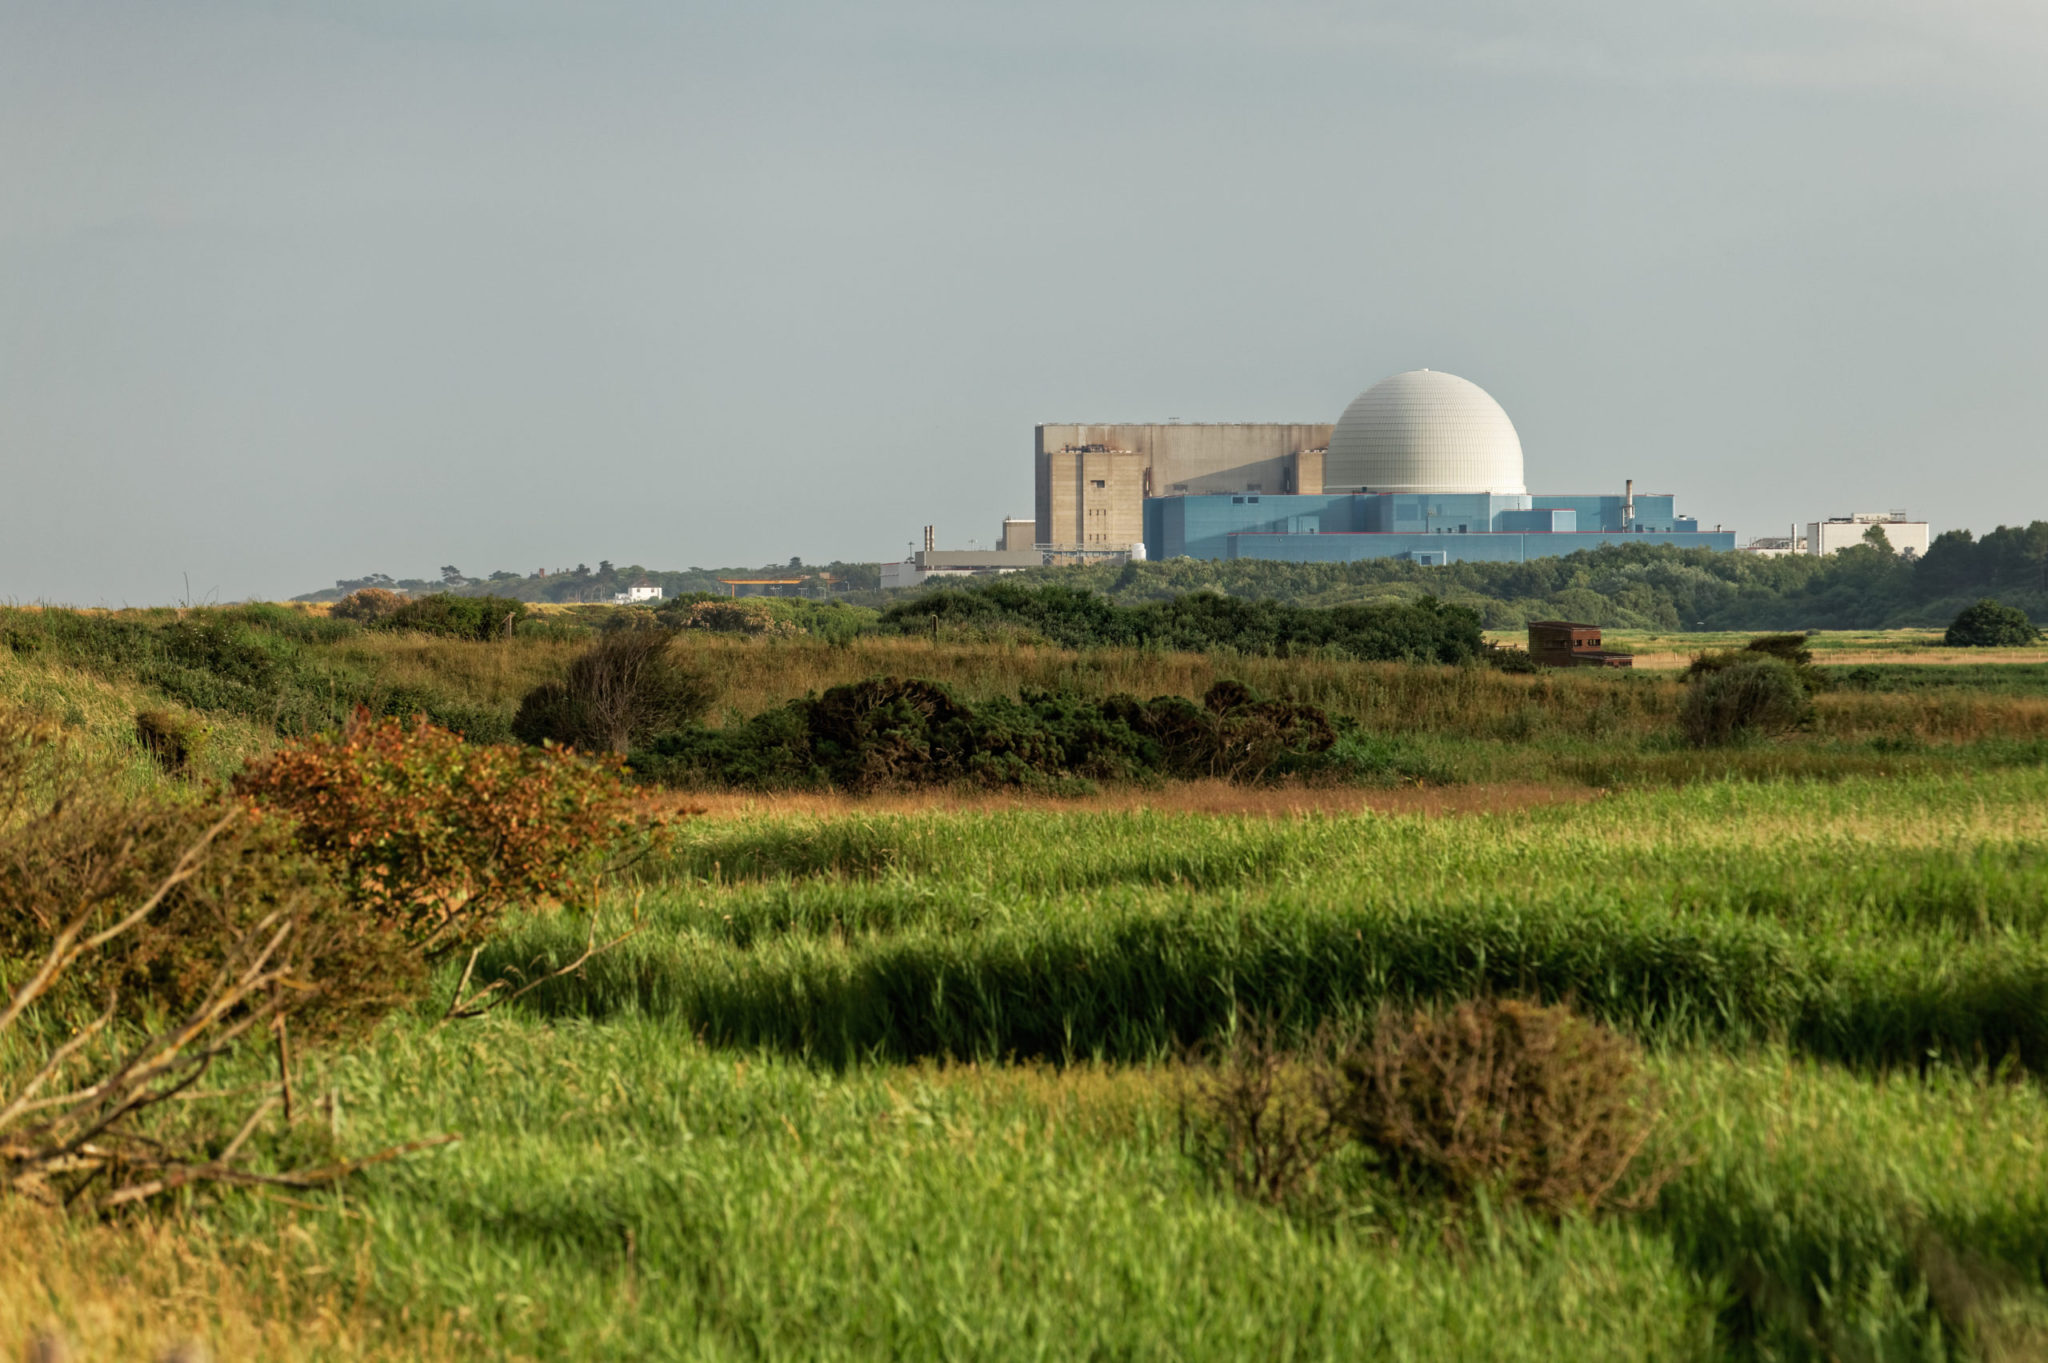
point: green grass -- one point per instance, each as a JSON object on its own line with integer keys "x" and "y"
{"x": 1879, "y": 922}
{"x": 903, "y": 1085}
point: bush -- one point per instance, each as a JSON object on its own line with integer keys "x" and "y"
{"x": 458, "y": 617}
{"x": 435, "y": 838}
{"x": 1420, "y": 631}
{"x": 368, "y": 606}
{"x": 1752, "y": 697}
{"x": 625, "y": 689}
{"x": 1990, "y": 624}
{"x": 1538, "y": 1102}
{"x": 75, "y": 846}
{"x": 892, "y": 732}
{"x": 1534, "y": 1103}
{"x": 735, "y": 617}
{"x": 176, "y": 741}
{"x": 1263, "y": 1116}
{"x": 146, "y": 941}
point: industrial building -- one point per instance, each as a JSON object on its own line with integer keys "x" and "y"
{"x": 1423, "y": 466}
{"x": 1836, "y": 533}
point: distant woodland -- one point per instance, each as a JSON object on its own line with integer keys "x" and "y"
{"x": 1619, "y": 586}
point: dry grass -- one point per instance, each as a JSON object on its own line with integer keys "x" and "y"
{"x": 142, "y": 1289}
{"x": 486, "y": 673}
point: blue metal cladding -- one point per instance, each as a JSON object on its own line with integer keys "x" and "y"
{"x": 1201, "y": 527}
{"x": 1381, "y": 525}
{"x": 1493, "y": 547}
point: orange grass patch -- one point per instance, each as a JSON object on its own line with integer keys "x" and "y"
{"x": 1190, "y": 797}
{"x": 140, "y": 1289}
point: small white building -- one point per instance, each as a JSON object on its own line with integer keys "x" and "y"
{"x": 638, "y": 592}
{"x": 1907, "y": 538}
{"x": 1774, "y": 546}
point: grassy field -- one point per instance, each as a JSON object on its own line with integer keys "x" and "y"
{"x": 904, "y": 1085}
{"x": 904, "y": 1077}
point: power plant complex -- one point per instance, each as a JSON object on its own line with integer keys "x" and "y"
{"x": 1423, "y": 466}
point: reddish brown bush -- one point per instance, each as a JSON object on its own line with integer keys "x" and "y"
{"x": 1538, "y": 1102}
{"x": 144, "y": 941}
{"x": 436, "y": 837}
{"x": 368, "y": 605}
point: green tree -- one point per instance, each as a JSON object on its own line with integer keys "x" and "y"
{"x": 1990, "y": 624}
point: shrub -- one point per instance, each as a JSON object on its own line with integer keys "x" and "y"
{"x": 1421, "y": 631}
{"x": 176, "y": 741}
{"x": 146, "y": 941}
{"x": 1506, "y": 658}
{"x": 1790, "y": 649}
{"x": 368, "y": 606}
{"x": 1262, "y": 1116}
{"x": 904, "y": 732}
{"x": 1990, "y": 624}
{"x": 435, "y": 838}
{"x": 1538, "y": 1102}
{"x": 458, "y": 617}
{"x": 1756, "y": 696}
{"x": 735, "y": 617}
{"x": 623, "y": 690}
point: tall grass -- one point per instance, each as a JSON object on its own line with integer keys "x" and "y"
{"x": 1873, "y": 922}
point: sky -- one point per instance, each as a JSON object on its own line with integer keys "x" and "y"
{"x": 295, "y": 291}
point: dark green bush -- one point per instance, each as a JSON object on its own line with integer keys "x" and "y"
{"x": 1754, "y": 697}
{"x": 891, "y": 732}
{"x": 458, "y": 617}
{"x": 1990, "y": 624}
{"x": 1422, "y": 631}
{"x": 623, "y": 690}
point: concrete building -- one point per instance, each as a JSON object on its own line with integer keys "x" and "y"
{"x": 1775, "y": 546}
{"x": 1092, "y": 481}
{"x": 642, "y": 590}
{"x": 1831, "y": 536}
{"x": 1423, "y": 466}
{"x": 931, "y": 561}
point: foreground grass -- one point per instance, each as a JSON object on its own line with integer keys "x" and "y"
{"x": 1876, "y": 923}
{"x": 627, "y": 1193}
{"x": 905, "y": 1085}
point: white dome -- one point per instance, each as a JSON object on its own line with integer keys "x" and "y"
{"x": 1424, "y": 431}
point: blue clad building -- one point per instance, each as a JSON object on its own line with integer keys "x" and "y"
{"x": 1423, "y": 466}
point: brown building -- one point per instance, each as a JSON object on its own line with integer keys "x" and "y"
{"x": 1092, "y": 481}
{"x": 1561, "y": 643}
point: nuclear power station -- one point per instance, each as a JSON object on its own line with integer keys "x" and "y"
{"x": 1423, "y": 466}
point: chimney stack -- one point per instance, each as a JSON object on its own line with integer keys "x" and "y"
{"x": 928, "y": 539}
{"x": 1628, "y": 504}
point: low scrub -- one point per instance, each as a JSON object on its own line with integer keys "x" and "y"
{"x": 458, "y": 617}
{"x": 434, "y": 838}
{"x": 144, "y": 943}
{"x": 1549, "y": 1107}
{"x": 1531, "y": 1103}
{"x": 1750, "y": 698}
{"x": 1421, "y": 631}
{"x": 625, "y": 689}
{"x": 175, "y": 741}
{"x": 893, "y": 733}
{"x": 368, "y": 606}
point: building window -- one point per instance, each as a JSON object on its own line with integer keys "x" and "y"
{"x": 1098, "y": 483}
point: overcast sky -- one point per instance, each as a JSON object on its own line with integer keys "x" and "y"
{"x": 296, "y": 291}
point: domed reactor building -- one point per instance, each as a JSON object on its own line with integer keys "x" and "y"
{"x": 1423, "y": 466}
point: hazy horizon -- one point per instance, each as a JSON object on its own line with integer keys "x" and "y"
{"x": 299, "y": 292}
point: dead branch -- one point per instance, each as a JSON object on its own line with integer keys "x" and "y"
{"x": 490, "y": 999}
